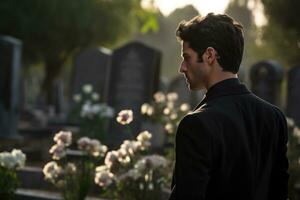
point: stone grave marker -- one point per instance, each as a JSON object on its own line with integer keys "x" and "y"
{"x": 10, "y": 63}
{"x": 92, "y": 67}
{"x": 134, "y": 77}
{"x": 266, "y": 78}
{"x": 293, "y": 96}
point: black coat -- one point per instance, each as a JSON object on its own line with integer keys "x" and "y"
{"x": 232, "y": 146}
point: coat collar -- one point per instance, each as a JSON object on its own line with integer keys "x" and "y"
{"x": 226, "y": 87}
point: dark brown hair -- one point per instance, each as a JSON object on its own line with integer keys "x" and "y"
{"x": 218, "y": 31}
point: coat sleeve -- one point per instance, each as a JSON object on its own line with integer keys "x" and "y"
{"x": 279, "y": 175}
{"x": 193, "y": 158}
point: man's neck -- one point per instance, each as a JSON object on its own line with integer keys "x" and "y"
{"x": 220, "y": 77}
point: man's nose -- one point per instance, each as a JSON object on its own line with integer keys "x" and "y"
{"x": 182, "y": 67}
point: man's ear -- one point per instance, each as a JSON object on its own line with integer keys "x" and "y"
{"x": 210, "y": 55}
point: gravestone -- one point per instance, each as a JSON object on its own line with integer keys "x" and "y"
{"x": 266, "y": 78}
{"x": 133, "y": 80}
{"x": 10, "y": 62}
{"x": 92, "y": 67}
{"x": 293, "y": 97}
{"x": 179, "y": 85}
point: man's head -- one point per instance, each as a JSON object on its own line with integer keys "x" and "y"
{"x": 214, "y": 40}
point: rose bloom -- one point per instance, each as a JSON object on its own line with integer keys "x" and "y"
{"x": 123, "y": 156}
{"x": 159, "y": 97}
{"x": 144, "y": 136}
{"x": 58, "y": 151}
{"x": 111, "y": 158}
{"x": 184, "y": 107}
{"x": 83, "y": 143}
{"x": 64, "y": 137}
{"x": 173, "y": 96}
{"x": 71, "y": 168}
{"x": 104, "y": 178}
{"x": 77, "y": 98}
{"x": 7, "y": 160}
{"x": 125, "y": 117}
{"x": 169, "y": 128}
{"x": 129, "y": 146}
{"x": 19, "y": 156}
{"x": 95, "y": 96}
{"x": 147, "y": 109}
{"x": 96, "y": 148}
{"x": 87, "y": 88}
{"x": 51, "y": 170}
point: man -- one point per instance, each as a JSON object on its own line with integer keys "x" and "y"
{"x": 233, "y": 145}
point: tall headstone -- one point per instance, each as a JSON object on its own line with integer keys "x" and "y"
{"x": 293, "y": 97}
{"x": 133, "y": 80}
{"x": 10, "y": 62}
{"x": 92, "y": 67}
{"x": 179, "y": 85}
{"x": 266, "y": 78}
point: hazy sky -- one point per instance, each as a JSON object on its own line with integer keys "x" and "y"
{"x": 203, "y": 6}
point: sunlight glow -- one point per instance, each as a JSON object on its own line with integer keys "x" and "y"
{"x": 203, "y": 6}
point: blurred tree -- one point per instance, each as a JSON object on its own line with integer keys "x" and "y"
{"x": 241, "y": 12}
{"x": 52, "y": 30}
{"x": 256, "y": 48}
{"x": 165, "y": 40}
{"x": 283, "y": 29}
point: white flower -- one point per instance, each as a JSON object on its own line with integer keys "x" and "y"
{"x": 184, "y": 107}
{"x": 144, "y": 139}
{"x": 71, "y": 168}
{"x": 155, "y": 161}
{"x": 130, "y": 146}
{"x": 111, "y": 158}
{"x": 290, "y": 122}
{"x": 87, "y": 88}
{"x": 96, "y": 148}
{"x": 63, "y": 136}
{"x": 58, "y": 151}
{"x": 167, "y": 111}
{"x": 169, "y": 128}
{"x": 101, "y": 168}
{"x": 92, "y": 146}
{"x": 151, "y": 162}
{"x": 150, "y": 186}
{"x": 125, "y": 117}
{"x": 123, "y": 156}
{"x": 95, "y": 96}
{"x": 141, "y": 186}
{"x": 104, "y": 178}
{"x": 296, "y": 133}
{"x": 159, "y": 97}
{"x": 51, "y": 170}
{"x": 140, "y": 165}
{"x": 134, "y": 174}
{"x": 83, "y": 143}
{"x": 170, "y": 105}
{"x": 173, "y": 96}
{"x": 7, "y": 160}
{"x": 90, "y": 110}
{"x": 77, "y": 98}
{"x": 106, "y": 111}
{"x": 173, "y": 115}
{"x": 147, "y": 109}
{"x": 144, "y": 136}
{"x": 19, "y": 156}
